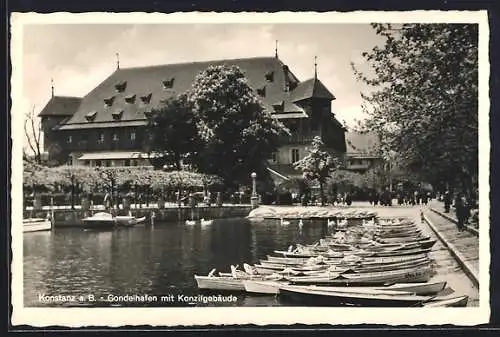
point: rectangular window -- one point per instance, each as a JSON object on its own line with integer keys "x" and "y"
{"x": 101, "y": 138}
{"x": 107, "y": 163}
{"x": 274, "y": 157}
{"x": 98, "y": 163}
{"x": 132, "y": 135}
{"x": 295, "y": 155}
{"x": 134, "y": 162}
{"x": 115, "y": 137}
{"x": 127, "y": 162}
{"x": 70, "y": 139}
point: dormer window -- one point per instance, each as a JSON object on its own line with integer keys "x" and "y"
{"x": 168, "y": 84}
{"x": 109, "y": 101}
{"x": 279, "y": 107}
{"x": 90, "y": 116}
{"x": 148, "y": 113}
{"x": 146, "y": 98}
{"x": 262, "y": 91}
{"x": 130, "y": 99}
{"x": 121, "y": 86}
{"x": 117, "y": 115}
{"x": 270, "y": 76}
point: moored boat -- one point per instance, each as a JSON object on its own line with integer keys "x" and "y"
{"x": 331, "y": 298}
{"x": 458, "y": 301}
{"x": 36, "y": 225}
{"x": 104, "y": 220}
{"x": 219, "y": 283}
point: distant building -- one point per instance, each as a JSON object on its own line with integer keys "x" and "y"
{"x": 106, "y": 126}
{"x": 361, "y": 151}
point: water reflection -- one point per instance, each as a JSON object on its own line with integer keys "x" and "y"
{"x": 153, "y": 260}
{"x": 163, "y": 259}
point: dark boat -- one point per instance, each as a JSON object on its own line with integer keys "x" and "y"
{"x": 318, "y": 297}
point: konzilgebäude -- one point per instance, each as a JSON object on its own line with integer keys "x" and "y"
{"x": 106, "y": 126}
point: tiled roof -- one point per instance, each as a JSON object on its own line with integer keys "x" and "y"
{"x": 361, "y": 143}
{"x": 158, "y": 83}
{"x": 61, "y": 106}
{"x": 312, "y": 88}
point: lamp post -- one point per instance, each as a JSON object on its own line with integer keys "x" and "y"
{"x": 254, "y": 200}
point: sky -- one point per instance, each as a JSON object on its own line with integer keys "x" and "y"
{"x": 79, "y": 56}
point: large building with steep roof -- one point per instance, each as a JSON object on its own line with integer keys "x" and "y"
{"x": 106, "y": 126}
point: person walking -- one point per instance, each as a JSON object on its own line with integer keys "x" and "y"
{"x": 461, "y": 211}
{"x": 447, "y": 201}
{"x": 107, "y": 201}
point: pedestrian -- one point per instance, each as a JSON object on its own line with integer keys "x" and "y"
{"x": 107, "y": 201}
{"x": 461, "y": 211}
{"x": 447, "y": 201}
{"x": 424, "y": 198}
{"x": 348, "y": 199}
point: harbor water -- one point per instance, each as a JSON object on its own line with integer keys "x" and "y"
{"x": 155, "y": 266}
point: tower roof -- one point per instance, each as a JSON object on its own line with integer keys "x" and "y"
{"x": 61, "y": 106}
{"x": 312, "y": 88}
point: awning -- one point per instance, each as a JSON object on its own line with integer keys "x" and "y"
{"x": 278, "y": 174}
{"x": 113, "y": 155}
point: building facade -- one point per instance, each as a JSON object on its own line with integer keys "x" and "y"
{"x": 106, "y": 127}
{"x": 361, "y": 151}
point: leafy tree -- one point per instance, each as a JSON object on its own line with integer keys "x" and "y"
{"x": 173, "y": 134}
{"x": 239, "y": 134}
{"x": 318, "y": 165}
{"x": 423, "y": 98}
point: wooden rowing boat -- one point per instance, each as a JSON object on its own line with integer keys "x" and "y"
{"x": 458, "y": 301}
{"x": 409, "y": 275}
{"x": 332, "y": 298}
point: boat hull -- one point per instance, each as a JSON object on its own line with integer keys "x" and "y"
{"x": 326, "y": 298}
{"x": 262, "y": 287}
{"x": 36, "y": 225}
{"x": 219, "y": 283}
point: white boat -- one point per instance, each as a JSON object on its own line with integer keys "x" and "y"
{"x": 408, "y": 275}
{"x": 129, "y": 220}
{"x": 104, "y": 220}
{"x": 206, "y": 222}
{"x": 425, "y": 288}
{"x": 263, "y": 287}
{"x": 459, "y": 301}
{"x": 36, "y": 225}
{"x": 219, "y": 283}
{"x": 272, "y": 287}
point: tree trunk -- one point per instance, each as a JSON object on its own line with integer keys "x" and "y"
{"x": 178, "y": 162}
{"x": 321, "y": 193}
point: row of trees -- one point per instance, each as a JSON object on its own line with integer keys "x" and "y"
{"x": 92, "y": 179}
{"x": 423, "y": 100}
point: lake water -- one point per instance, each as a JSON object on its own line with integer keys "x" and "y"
{"x": 162, "y": 260}
{"x": 159, "y": 260}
